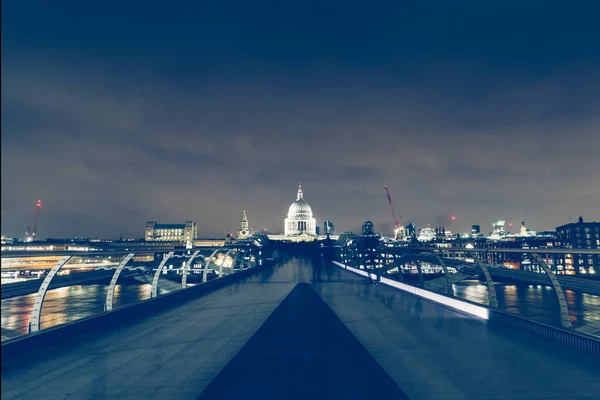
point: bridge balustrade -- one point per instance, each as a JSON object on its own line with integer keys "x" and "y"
{"x": 25, "y": 312}
{"x": 402, "y": 263}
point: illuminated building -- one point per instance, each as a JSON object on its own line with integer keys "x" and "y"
{"x": 300, "y": 221}
{"x": 328, "y": 228}
{"x": 8, "y": 240}
{"x": 244, "y": 231}
{"x": 400, "y": 232}
{"x": 184, "y": 233}
{"x": 209, "y": 242}
{"x": 362, "y": 251}
{"x": 426, "y": 234}
{"x": 498, "y": 229}
{"x": 524, "y": 231}
{"x": 580, "y": 235}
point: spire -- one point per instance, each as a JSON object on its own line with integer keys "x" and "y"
{"x": 300, "y": 195}
{"x": 244, "y": 217}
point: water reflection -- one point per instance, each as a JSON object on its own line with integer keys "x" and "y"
{"x": 537, "y": 302}
{"x": 66, "y": 304}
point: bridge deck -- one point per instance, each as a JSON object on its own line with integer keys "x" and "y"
{"x": 428, "y": 351}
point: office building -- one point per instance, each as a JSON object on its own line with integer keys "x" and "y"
{"x": 579, "y": 235}
{"x": 328, "y": 228}
{"x": 184, "y": 233}
{"x": 411, "y": 230}
{"x": 368, "y": 228}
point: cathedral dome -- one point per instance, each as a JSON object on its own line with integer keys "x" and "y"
{"x": 300, "y": 210}
{"x": 300, "y": 217}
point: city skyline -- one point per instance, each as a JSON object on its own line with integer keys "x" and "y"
{"x": 447, "y": 221}
{"x": 198, "y": 112}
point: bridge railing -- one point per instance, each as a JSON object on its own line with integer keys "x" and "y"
{"x": 68, "y": 288}
{"x": 494, "y": 316}
{"x": 565, "y": 301}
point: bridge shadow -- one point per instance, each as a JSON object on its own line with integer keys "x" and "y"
{"x": 302, "y": 351}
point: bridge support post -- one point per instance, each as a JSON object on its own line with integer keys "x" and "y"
{"x": 445, "y": 268}
{"x": 235, "y": 261}
{"x": 493, "y": 299}
{"x": 400, "y": 273}
{"x": 249, "y": 254}
{"x": 110, "y": 294}
{"x": 36, "y": 311}
{"x": 223, "y": 262}
{"x": 186, "y": 268}
{"x": 157, "y": 273}
{"x": 420, "y": 271}
{"x": 206, "y": 264}
{"x": 255, "y": 262}
{"x": 565, "y": 320}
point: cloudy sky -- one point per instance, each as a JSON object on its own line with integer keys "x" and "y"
{"x": 115, "y": 113}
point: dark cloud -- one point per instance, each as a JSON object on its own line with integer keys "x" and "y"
{"x": 200, "y": 130}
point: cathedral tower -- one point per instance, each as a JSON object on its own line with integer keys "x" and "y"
{"x": 244, "y": 231}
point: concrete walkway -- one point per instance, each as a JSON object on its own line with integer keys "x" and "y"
{"x": 429, "y": 352}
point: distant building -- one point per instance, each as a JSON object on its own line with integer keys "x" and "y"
{"x": 411, "y": 230}
{"x": 346, "y": 238}
{"x": 184, "y": 233}
{"x": 440, "y": 232}
{"x": 475, "y": 230}
{"x": 368, "y": 228}
{"x": 426, "y": 234}
{"x": 498, "y": 230}
{"x": 9, "y": 240}
{"x": 299, "y": 226}
{"x": 328, "y": 228}
{"x": 360, "y": 251}
{"x": 209, "y": 242}
{"x": 580, "y": 235}
{"x": 317, "y": 230}
{"x": 300, "y": 221}
{"x": 546, "y": 234}
{"x": 400, "y": 232}
{"x": 244, "y": 231}
{"x": 524, "y": 232}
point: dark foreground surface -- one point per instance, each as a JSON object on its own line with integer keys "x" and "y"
{"x": 303, "y": 346}
{"x": 267, "y": 337}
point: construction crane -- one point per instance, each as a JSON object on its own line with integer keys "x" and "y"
{"x": 398, "y": 219}
{"x": 32, "y": 227}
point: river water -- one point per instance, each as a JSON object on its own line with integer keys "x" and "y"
{"x": 536, "y": 302}
{"x": 68, "y": 304}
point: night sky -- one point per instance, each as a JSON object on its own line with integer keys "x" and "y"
{"x": 119, "y": 112}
